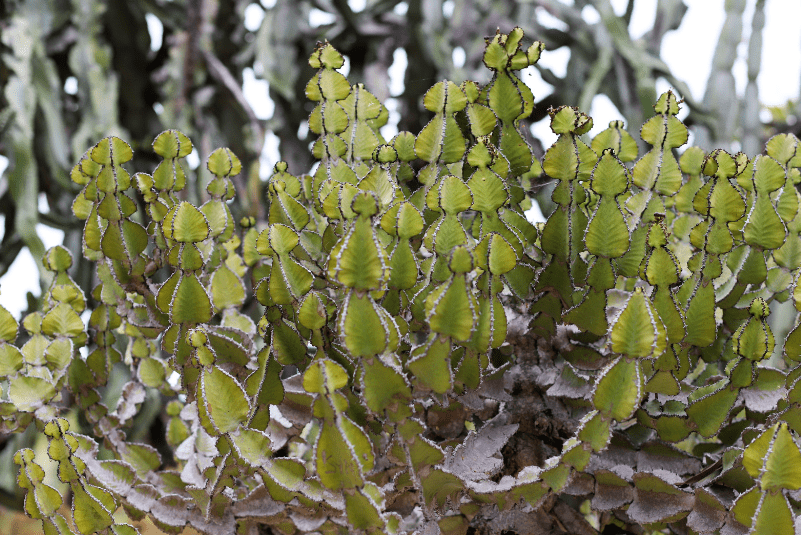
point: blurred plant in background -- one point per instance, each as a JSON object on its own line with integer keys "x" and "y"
{"x": 72, "y": 71}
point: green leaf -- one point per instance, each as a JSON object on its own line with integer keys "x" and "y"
{"x": 783, "y": 148}
{"x": 358, "y": 261}
{"x": 699, "y": 314}
{"x": 364, "y": 132}
{"x": 251, "y": 445}
{"x": 124, "y": 529}
{"x": 152, "y": 372}
{"x": 403, "y": 266}
{"x": 402, "y": 220}
{"x": 59, "y": 353}
{"x": 756, "y": 452}
{"x": 172, "y": 144}
{"x": 336, "y": 465}
{"x": 327, "y": 83}
{"x": 710, "y": 411}
{"x": 226, "y": 288}
{"x": 505, "y": 99}
{"x": 190, "y": 303}
{"x": 48, "y": 499}
{"x": 89, "y": 513}
{"x": 616, "y": 138}
{"x": 589, "y": 315}
{"x": 555, "y": 474}
{"x": 217, "y": 215}
{"x": 451, "y": 309}
{"x": 365, "y": 203}
{"x": 658, "y": 169}
{"x": 111, "y": 151}
{"x": 188, "y": 224}
{"x": 783, "y": 464}
{"x": 224, "y": 399}
{"x": 792, "y": 345}
{"x": 763, "y": 227}
{"x": 8, "y": 326}
{"x": 169, "y": 175}
{"x": 440, "y": 141}
{"x": 366, "y": 329}
{"x": 746, "y": 506}
{"x": 404, "y": 145}
{"x": 595, "y": 430}
{"x": 619, "y": 389}
{"x": 324, "y": 376}
{"x": 362, "y": 511}
{"x": 575, "y": 455}
{"x": 166, "y": 291}
{"x": 62, "y": 320}
{"x": 430, "y": 364}
{"x": 445, "y": 234}
{"x": 659, "y": 267}
{"x": 454, "y": 525}
{"x": 774, "y": 515}
{"x": 286, "y": 344}
{"x": 488, "y": 189}
{"x": 288, "y": 280}
{"x": 567, "y": 120}
{"x": 10, "y": 360}
{"x": 265, "y": 383}
{"x": 724, "y": 203}
{"x": 285, "y": 208}
{"x": 29, "y": 393}
{"x": 438, "y": 485}
{"x": 607, "y": 234}
{"x": 223, "y": 162}
{"x": 278, "y": 239}
{"x": 482, "y": 119}
{"x": 386, "y": 388}
{"x": 58, "y": 259}
{"x": 444, "y": 97}
{"x": 490, "y": 331}
{"x": 312, "y": 311}
{"x": 493, "y": 253}
{"x": 638, "y": 331}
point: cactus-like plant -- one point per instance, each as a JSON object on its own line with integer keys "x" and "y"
{"x": 361, "y": 361}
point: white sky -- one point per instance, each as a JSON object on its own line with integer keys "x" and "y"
{"x": 687, "y": 51}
